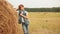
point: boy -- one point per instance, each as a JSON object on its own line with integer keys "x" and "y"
{"x": 23, "y": 18}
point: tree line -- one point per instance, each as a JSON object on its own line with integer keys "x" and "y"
{"x": 54, "y": 9}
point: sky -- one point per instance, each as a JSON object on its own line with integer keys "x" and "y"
{"x": 36, "y": 3}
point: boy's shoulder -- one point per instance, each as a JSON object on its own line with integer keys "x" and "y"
{"x": 25, "y": 10}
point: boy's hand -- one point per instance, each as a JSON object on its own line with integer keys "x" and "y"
{"x": 26, "y": 17}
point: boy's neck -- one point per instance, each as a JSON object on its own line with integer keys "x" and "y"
{"x": 22, "y": 10}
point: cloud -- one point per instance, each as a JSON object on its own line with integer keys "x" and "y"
{"x": 36, "y": 3}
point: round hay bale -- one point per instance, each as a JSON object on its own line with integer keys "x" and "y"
{"x": 8, "y": 19}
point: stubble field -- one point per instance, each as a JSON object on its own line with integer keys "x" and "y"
{"x": 44, "y": 23}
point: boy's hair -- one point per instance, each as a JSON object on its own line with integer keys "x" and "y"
{"x": 21, "y": 5}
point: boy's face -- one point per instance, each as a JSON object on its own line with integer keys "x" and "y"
{"x": 22, "y": 8}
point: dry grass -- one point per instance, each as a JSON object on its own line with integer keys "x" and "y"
{"x": 44, "y": 22}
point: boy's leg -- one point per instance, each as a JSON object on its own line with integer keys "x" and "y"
{"x": 24, "y": 26}
{"x": 27, "y": 29}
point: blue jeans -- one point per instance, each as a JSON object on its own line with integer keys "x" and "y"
{"x": 25, "y": 28}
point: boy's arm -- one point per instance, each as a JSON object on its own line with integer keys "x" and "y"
{"x": 21, "y": 14}
{"x": 26, "y": 14}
